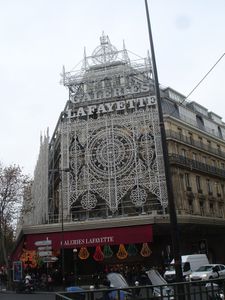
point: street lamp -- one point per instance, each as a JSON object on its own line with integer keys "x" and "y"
{"x": 75, "y": 265}
{"x": 62, "y": 227}
{"x": 172, "y": 208}
{"x": 60, "y": 171}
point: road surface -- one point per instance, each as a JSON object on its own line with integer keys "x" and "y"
{"x": 35, "y": 296}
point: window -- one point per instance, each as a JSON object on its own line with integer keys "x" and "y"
{"x": 220, "y": 132}
{"x": 190, "y": 204}
{"x": 179, "y": 132}
{"x": 200, "y": 122}
{"x": 222, "y": 189}
{"x": 202, "y": 210}
{"x": 209, "y": 186}
{"x": 198, "y": 184}
{"x": 190, "y": 137}
{"x": 184, "y": 152}
{"x": 222, "y": 166}
{"x": 218, "y": 149}
{"x": 200, "y": 141}
{"x": 220, "y": 210}
{"x": 186, "y": 266}
{"x": 216, "y": 269}
{"x": 204, "y": 159}
{"x": 213, "y": 163}
{"x": 218, "y": 191}
{"x": 222, "y": 267}
{"x": 211, "y": 208}
{"x": 209, "y": 144}
{"x": 194, "y": 156}
{"x": 187, "y": 180}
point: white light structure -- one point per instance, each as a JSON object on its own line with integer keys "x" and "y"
{"x": 110, "y": 135}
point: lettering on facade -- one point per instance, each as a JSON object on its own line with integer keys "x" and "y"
{"x": 104, "y": 108}
{"x": 89, "y": 241}
{"x": 109, "y": 88}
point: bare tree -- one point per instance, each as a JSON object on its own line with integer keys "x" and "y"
{"x": 12, "y": 185}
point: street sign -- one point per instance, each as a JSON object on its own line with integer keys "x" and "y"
{"x": 44, "y": 248}
{"x": 43, "y": 243}
{"x": 44, "y": 253}
{"x": 17, "y": 271}
{"x": 50, "y": 259}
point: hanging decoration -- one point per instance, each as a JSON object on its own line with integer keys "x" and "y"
{"x": 145, "y": 250}
{"x": 29, "y": 258}
{"x": 132, "y": 250}
{"x": 98, "y": 255}
{"x": 122, "y": 253}
{"x": 107, "y": 251}
{"x": 83, "y": 253}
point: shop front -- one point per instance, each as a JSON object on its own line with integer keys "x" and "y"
{"x": 87, "y": 252}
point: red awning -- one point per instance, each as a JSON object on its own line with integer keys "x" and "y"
{"x": 89, "y": 238}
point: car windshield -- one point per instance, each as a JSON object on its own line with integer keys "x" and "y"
{"x": 204, "y": 268}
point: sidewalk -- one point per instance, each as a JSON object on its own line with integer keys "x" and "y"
{"x": 2, "y": 287}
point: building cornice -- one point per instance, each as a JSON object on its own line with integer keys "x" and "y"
{"x": 124, "y": 221}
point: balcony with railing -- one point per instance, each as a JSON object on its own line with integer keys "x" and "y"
{"x": 190, "y": 141}
{"x": 195, "y": 165}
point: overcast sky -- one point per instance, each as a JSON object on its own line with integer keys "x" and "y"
{"x": 38, "y": 37}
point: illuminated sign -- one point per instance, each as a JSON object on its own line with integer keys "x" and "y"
{"x": 108, "y": 107}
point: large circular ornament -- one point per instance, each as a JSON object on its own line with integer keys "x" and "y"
{"x": 111, "y": 153}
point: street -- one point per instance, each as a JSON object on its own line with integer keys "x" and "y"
{"x": 35, "y": 296}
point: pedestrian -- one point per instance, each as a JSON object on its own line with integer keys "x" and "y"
{"x": 50, "y": 282}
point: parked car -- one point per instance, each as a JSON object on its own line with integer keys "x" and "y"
{"x": 206, "y": 272}
{"x": 190, "y": 263}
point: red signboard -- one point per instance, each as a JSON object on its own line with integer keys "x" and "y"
{"x": 90, "y": 238}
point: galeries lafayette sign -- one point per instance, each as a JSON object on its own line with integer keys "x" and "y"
{"x": 90, "y": 238}
{"x": 108, "y": 107}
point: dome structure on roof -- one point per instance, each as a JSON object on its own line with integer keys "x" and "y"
{"x": 105, "y": 52}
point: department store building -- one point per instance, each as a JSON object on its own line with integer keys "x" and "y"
{"x": 99, "y": 188}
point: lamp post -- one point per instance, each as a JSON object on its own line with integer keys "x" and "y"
{"x": 62, "y": 234}
{"x": 172, "y": 209}
{"x": 62, "y": 227}
{"x": 60, "y": 171}
{"x": 75, "y": 266}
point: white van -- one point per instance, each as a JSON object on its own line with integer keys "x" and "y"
{"x": 190, "y": 263}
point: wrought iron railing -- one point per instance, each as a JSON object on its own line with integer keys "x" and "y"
{"x": 195, "y": 165}
{"x": 207, "y": 290}
{"x": 193, "y": 142}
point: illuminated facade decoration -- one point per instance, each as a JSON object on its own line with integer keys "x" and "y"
{"x": 114, "y": 155}
{"x": 110, "y": 138}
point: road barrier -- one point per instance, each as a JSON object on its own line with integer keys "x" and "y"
{"x": 199, "y": 290}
